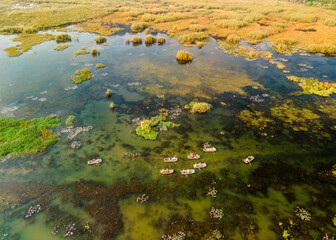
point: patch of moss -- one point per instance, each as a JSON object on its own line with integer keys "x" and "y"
{"x": 82, "y": 75}
{"x": 198, "y": 107}
{"x": 149, "y": 128}
{"x": 100, "y": 65}
{"x": 61, "y": 47}
{"x": 69, "y": 120}
{"x": 313, "y": 86}
{"x": 22, "y": 136}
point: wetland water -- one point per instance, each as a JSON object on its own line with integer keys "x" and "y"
{"x": 258, "y": 201}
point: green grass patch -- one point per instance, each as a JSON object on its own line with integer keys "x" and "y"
{"x": 257, "y": 35}
{"x": 330, "y": 22}
{"x": 161, "y": 40}
{"x": 197, "y": 28}
{"x": 19, "y": 136}
{"x": 321, "y": 48}
{"x": 61, "y": 47}
{"x": 233, "y": 39}
{"x": 69, "y": 120}
{"x": 285, "y": 46}
{"x": 198, "y": 107}
{"x": 136, "y": 40}
{"x": 81, "y": 76}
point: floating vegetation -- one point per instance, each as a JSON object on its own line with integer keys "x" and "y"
{"x": 95, "y": 52}
{"x": 303, "y": 214}
{"x": 108, "y": 93}
{"x": 184, "y": 57}
{"x": 23, "y": 136}
{"x": 82, "y": 52}
{"x": 138, "y": 27}
{"x": 280, "y": 65}
{"x": 100, "y": 40}
{"x": 82, "y": 75}
{"x": 61, "y": 47}
{"x": 313, "y": 86}
{"x": 69, "y": 120}
{"x": 63, "y": 38}
{"x": 285, "y": 46}
{"x": 161, "y": 40}
{"x": 136, "y": 40}
{"x": 150, "y": 40}
{"x": 149, "y": 128}
{"x": 248, "y": 52}
{"x": 254, "y": 119}
{"x": 198, "y": 107}
{"x": 100, "y": 65}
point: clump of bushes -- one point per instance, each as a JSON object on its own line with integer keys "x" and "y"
{"x": 136, "y": 40}
{"x": 193, "y": 38}
{"x": 198, "y": 107}
{"x": 150, "y": 40}
{"x": 161, "y": 40}
{"x": 184, "y": 57}
{"x": 233, "y": 39}
{"x": 138, "y": 27}
{"x": 100, "y": 65}
{"x": 82, "y": 75}
{"x": 100, "y": 40}
{"x": 63, "y": 38}
{"x": 320, "y": 48}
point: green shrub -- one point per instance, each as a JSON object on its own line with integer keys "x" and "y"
{"x": 330, "y": 22}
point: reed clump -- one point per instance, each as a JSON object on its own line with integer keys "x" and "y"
{"x": 100, "y": 40}
{"x": 330, "y": 22}
{"x": 184, "y": 57}
{"x": 82, "y": 52}
{"x": 192, "y": 38}
{"x": 63, "y": 38}
{"x": 285, "y": 46}
{"x": 138, "y": 27}
{"x": 81, "y": 75}
{"x": 136, "y": 40}
{"x": 108, "y": 93}
{"x": 161, "y": 40}
{"x": 197, "y": 28}
{"x": 198, "y": 107}
{"x": 95, "y": 52}
{"x": 100, "y": 65}
{"x": 321, "y": 48}
{"x": 61, "y": 47}
{"x": 150, "y": 40}
{"x": 257, "y": 35}
{"x": 233, "y": 39}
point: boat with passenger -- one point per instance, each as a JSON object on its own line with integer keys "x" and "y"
{"x": 248, "y": 160}
{"x": 166, "y": 171}
{"x": 95, "y": 161}
{"x": 188, "y": 171}
{"x": 171, "y": 159}
{"x": 194, "y": 156}
{"x": 210, "y": 149}
{"x": 199, "y": 165}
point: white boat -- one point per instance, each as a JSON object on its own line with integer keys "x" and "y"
{"x": 249, "y": 159}
{"x": 166, "y": 171}
{"x": 199, "y": 165}
{"x": 209, "y": 149}
{"x": 95, "y": 161}
{"x": 188, "y": 171}
{"x": 172, "y": 159}
{"x": 194, "y": 156}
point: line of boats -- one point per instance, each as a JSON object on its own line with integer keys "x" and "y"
{"x": 174, "y": 159}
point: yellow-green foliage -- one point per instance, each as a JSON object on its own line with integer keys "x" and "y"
{"x": 27, "y": 41}
{"x": 112, "y": 105}
{"x": 61, "y": 47}
{"x": 280, "y": 65}
{"x": 138, "y": 27}
{"x": 250, "y": 53}
{"x": 148, "y": 18}
{"x": 161, "y": 40}
{"x": 193, "y": 38}
{"x": 233, "y": 39}
{"x": 257, "y": 35}
{"x": 320, "y": 48}
{"x": 22, "y": 136}
{"x": 100, "y": 40}
{"x": 330, "y": 22}
{"x": 183, "y": 56}
{"x": 170, "y": 17}
{"x": 197, "y": 28}
{"x": 285, "y": 46}
{"x": 82, "y": 52}
{"x": 302, "y": 18}
{"x": 94, "y": 52}
{"x": 108, "y": 93}
{"x": 81, "y": 75}
{"x": 63, "y": 38}
{"x": 150, "y": 39}
{"x": 198, "y": 107}
{"x": 100, "y": 65}
{"x": 254, "y": 119}
{"x": 69, "y": 120}
{"x": 232, "y": 24}
{"x": 313, "y": 86}
{"x": 136, "y": 40}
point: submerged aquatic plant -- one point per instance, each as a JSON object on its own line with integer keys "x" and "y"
{"x": 82, "y": 75}
{"x": 198, "y": 107}
{"x": 63, "y": 38}
{"x": 69, "y": 120}
{"x": 100, "y": 65}
{"x": 254, "y": 119}
{"x": 22, "y": 136}
{"x": 313, "y": 86}
{"x": 184, "y": 57}
{"x": 100, "y": 40}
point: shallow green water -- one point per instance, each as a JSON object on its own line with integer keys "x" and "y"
{"x": 258, "y": 200}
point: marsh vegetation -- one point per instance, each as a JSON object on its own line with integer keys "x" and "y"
{"x": 81, "y": 76}
{"x": 184, "y": 57}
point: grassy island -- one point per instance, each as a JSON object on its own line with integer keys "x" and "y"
{"x": 149, "y": 128}
{"x": 198, "y": 107}
{"x": 100, "y": 40}
{"x": 100, "y": 65}
{"x": 184, "y": 57}
{"x": 63, "y": 38}
{"x": 82, "y": 75}
{"x": 150, "y": 40}
{"x": 82, "y": 52}
{"x": 23, "y": 136}
{"x": 61, "y": 47}
{"x": 313, "y": 86}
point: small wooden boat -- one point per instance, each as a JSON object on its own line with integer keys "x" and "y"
{"x": 209, "y": 149}
{"x": 95, "y": 161}
{"x": 188, "y": 171}
{"x": 249, "y": 159}
{"x": 194, "y": 156}
{"x": 199, "y": 165}
{"x": 166, "y": 171}
{"x": 172, "y": 159}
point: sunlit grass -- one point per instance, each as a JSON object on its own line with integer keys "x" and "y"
{"x": 63, "y": 38}
{"x": 136, "y": 40}
{"x": 61, "y": 47}
{"x": 184, "y": 57}
{"x": 150, "y": 40}
{"x": 161, "y": 40}
{"x": 99, "y": 65}
{"x": 138, "y": 27}
{"x": 81, "y": 76}
{"x": 100, "y": 40}
{"x": 193, "y": 38}
{"x": 233, "y": 39}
